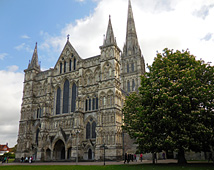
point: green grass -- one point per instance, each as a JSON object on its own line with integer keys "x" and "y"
{"x": 112, "y": 167}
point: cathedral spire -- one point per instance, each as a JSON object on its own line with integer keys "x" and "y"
{"x": 131, "y": 35}
{"x": 34, "y": 64}
{"x": 110, "y": 39}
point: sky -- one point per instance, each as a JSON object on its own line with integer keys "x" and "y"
{"x": 175, "y": 24}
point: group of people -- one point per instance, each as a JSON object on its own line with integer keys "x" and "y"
{"x": 4, "y": 159}
{"x": 131, "y": 157}
{"x": 27, "y": 159}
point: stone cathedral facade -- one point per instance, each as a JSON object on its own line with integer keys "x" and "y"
{"x": 76, "y": 107}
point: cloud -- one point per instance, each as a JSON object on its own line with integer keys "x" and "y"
{"x": 204, "y": 11}
{"x": 12, "y": 68}
{"x": 25, "y": 37}
{"x": 207, "y": 37}
{"x": 25, "y": 47}
{"x": 159, "y": 24}
{"x": 10, "y": 105}
{"x": 3, "y": 55}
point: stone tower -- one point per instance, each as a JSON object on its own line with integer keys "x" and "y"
{"x": 110, "y": 117}
{"x": 133, "y": 65}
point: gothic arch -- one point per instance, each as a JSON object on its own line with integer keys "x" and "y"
{"x": 97, "y": 74}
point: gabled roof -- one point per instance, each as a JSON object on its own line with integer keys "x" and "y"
{"x": 4, "y": 148}
{"x": 69, "y": 46}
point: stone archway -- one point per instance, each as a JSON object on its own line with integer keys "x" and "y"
{"x": 59, "y": 150}
{"x": 89, "y": 154}
{"x": 48, "y": 154}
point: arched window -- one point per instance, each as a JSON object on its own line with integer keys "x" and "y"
{"x": 93, "y": 129}
{"x": 58, "y": 96}
{"x": 74, "y": 63}
{"x": 74, "y": 95}
{"x": 127, "y": 67}
{"x": 132, "y": 66}
{"x": 93, "y": 104}
{"x": 128, "y": 86}
{"x": 133, "y": 85}
{"x": 65, "y": 97}
{"x": 89, "y": 108}
{"x": 70, "y": 65}
{"x": 86, "y": 105}
{"x": 96, "y": 102}
{"x": 37, "y": 136}
{"x": 60, "y": 68}
{"x": 65, "y": 67}
{"x": 88, "y": 129}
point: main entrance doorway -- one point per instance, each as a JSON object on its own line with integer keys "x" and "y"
{"x": 59, "y": 150}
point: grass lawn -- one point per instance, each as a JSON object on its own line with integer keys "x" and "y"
{"x": 112, "y": 167}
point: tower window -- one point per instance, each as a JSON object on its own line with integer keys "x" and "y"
{"x": 70, "y": 65}
{"x": 132, "y": 67}
{"x": 64, "y": 66}
{"x": 128, "y": 86}
{"x": 127, "y": 68}
{"x": 60, "y": 68}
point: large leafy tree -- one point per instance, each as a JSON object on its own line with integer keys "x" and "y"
{"x": 174, "y": 109}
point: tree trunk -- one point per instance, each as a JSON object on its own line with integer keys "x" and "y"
{"x": 181, "y": 157}
{"x": 153, "y": 157}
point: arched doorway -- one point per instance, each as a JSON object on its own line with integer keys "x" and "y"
{"x": 89, "y": 154}
{"x": 69, "y": 153}
{"x": 59, "y": 150}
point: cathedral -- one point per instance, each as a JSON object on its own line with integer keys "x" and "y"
{"x": 74, "y": 110}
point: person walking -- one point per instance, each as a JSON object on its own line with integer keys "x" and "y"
{"x": 141, "y": 157}
{"x": 125, "y": 158}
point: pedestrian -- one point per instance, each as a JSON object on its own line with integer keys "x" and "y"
{"x": 141, "y": 157}
{"x": 26, "y": 159}
{"x": 128, "y": 158}
{"x": 125, "y": 158}
{"x": 7, "y": 159}
{"x": 135, "y": 158}
{"x": 22, "y": 159}
{"x": 30, "y": 160}
{"x": 164, "y": 155}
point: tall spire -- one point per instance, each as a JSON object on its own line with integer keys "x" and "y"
{"x": 34, "y": 64}
{"x": 110, "y": 39}
{"x": 131, "y": 35}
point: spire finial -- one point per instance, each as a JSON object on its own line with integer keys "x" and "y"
{"x": 68, "y": 37}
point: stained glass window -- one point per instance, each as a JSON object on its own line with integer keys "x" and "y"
{"x": 74, "y": 95}
{"x": 58, "y": 96}
{"x": 88, "y": 129}
{"x": 93, "y": 129}
{"x": 66, "y": 96}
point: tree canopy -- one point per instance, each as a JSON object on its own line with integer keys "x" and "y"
{"x": 174, "y": 109}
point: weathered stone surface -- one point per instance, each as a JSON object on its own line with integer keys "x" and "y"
{"x": 76, "y": 107}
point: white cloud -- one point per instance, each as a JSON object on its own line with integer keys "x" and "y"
{"x": 10, "y": 105}
{"x": 25, "y": 47}
{"x": 25, "y": 37}
{"x": 159, "y": 24}
{"x": 12, "y": 68}
{"x": 3, "y": 55}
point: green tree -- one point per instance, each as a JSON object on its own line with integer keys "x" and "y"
{"x": 174, "y": 107}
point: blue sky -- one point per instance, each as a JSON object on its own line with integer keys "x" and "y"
{"x": 176, "y": 24}
{"x": 23, "y": 21}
